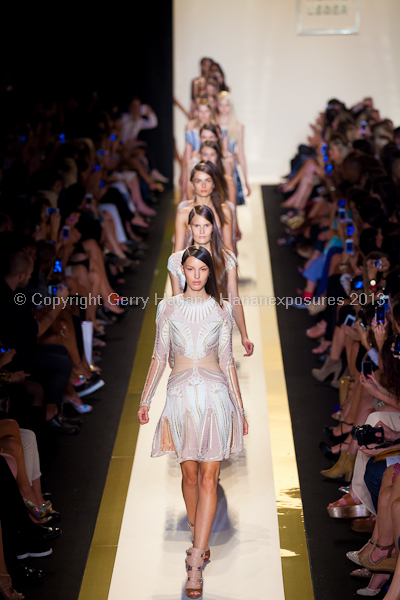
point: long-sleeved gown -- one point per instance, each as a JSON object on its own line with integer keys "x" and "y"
{"x": 201, "y": 419}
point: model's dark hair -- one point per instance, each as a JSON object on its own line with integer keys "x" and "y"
{"x": 218, "y": 194}
{"x": 202, "y": 254}
{"x": 217, "y": 147}
{"x": 220, "y": 171}
{"x": 391, "y": 368}
{"x": 214, "y": 128}
{"x": 218, "y": 249}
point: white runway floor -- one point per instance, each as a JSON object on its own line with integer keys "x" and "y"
{"x": 245, "y": 549}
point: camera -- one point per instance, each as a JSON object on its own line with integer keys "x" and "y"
{"x": 366, "y": 434}
{"x": 380, "y": 314}
{"x": 350, "y": 320}
{"x": 349, "y": 228}
{"x": 357, "y": 283}
{"x": 52, "y": 290}
{"x": 366, "y": 367}
{"x": 349, "y": 246}
{"x": 50, "y": 211}
{"x": 384, "y": 301}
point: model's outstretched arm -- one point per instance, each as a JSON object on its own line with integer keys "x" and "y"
{"x": 158, "y": 361}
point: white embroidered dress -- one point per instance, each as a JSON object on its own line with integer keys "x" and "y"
{"x": 201, "y": 419}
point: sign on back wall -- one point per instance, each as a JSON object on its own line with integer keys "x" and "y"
{"x": 325, "y": 17}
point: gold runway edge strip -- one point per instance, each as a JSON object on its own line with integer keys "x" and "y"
{"x": 294, "y": 553}
{"x": 100, "y": 564}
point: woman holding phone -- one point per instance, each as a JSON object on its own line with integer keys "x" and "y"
{"x": 203, "y": 420}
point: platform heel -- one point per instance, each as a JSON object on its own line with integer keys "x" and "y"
{"x": 194, "y": 566}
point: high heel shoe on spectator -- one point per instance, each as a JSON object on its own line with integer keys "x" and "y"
{"x": 207, "y": 551}
{"x": 91, "y": 385}
{"x": 375, "y": 591}
{"x": 349, "y": 510}
{"x": 343, "y": 468}
{"x": 60, "y": 424}
{"x": 331, "y": 367}
{"x": 338, "y": 439}
{"x": 354, "y": 555}
{"x": 317, "y": 331}
{"x": 386, "y": 564}
{"x": 366, "y": 525}
{"x": 327, "y": 452}
{"x": 194, "y": 566}
{"x": 80, "y": 408}
{"x": 361, "y": 573}
{"x": 7, "y": 587}
{"x": 39, "y": 512}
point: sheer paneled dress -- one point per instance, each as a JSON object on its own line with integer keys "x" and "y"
{"x": 201, "y": 420}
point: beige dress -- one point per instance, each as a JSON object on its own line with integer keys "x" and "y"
{"x": 201, "y": 418}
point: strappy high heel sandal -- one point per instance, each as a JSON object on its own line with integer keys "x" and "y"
{"x": 207, "y": 551}
{"x": 386, "y": 564}
{"x": 194, "y": 566}
{"x": 367, "y": 591}
{"x": 39, "y": 512}
{"x": 7, "y": 587}
{"x": 338, "y": 439}
{"x": 355, "y": 555}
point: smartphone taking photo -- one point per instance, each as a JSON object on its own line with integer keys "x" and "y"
{"x": 350, "y": 320}
{"x": 366, "y": 368}
{"x": 380, "y": 314}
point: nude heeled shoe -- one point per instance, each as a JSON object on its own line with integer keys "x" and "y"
{"x": 343, "y": 467}
{"x": 207, "y": 551}
{"x": 386, "y": 564}
{"x": 7, "y": 587}
{"x": 194, "y": 566}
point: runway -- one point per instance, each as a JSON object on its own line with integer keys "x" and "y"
{"x": 258, "y": 547}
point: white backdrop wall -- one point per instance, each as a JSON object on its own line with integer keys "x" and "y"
{"x": 281, "y": 80}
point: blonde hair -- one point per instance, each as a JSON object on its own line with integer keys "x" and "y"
{"x": 204, "y": 102}
{"x": 233, "y": 125}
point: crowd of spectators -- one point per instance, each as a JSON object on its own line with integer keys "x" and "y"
{"x": 343, "y": 218}
{"x": 77, "y": 194}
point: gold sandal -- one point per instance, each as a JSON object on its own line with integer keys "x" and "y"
{"x": 207, "y": 551}
{"x": 5, "y": 587}
{"x": 194, "y": 566}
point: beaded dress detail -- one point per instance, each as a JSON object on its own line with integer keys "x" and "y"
{"x": 201, "y": 419}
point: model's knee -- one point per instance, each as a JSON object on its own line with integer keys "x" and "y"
{"x": 208, "y": 483}
{"x": 190, "y": 480}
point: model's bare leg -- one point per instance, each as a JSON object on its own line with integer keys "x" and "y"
{"x": 207, "y": 503}
{"x": 190, "y": 487}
